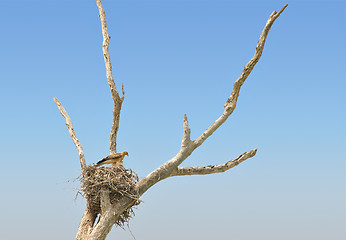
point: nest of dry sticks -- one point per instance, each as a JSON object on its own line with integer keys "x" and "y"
{"x": 116, "y": 180}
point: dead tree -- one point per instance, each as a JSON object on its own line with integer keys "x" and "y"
{"x": 114, "y": 208}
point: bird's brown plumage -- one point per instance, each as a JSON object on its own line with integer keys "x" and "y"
{"x": 115, "y": 158}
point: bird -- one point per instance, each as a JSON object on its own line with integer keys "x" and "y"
{"x": 116, "y": 159}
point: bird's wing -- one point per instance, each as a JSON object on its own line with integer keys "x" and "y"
{"x": 113, "y": 156}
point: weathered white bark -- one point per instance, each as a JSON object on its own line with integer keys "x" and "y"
{"x": 115, "y": 95}
{"x": 72, "y": 133}
{"x": 210, "y": 169}
{"x": 86, "y": 225}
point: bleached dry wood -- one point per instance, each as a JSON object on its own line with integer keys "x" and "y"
{"x": 72, "y": 133}
{"x": 187, "y": 146}
{"x": 210, "y": 169}
{"x": 110, "y": 212}
{"x": 186, "y": 140}
{"x": 115, "y": 95}
{"x": 108, "y": 218}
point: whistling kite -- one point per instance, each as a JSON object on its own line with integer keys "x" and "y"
{"x": 115, "y": 158}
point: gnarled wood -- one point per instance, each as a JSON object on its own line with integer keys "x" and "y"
{"x": 110, "y": 211}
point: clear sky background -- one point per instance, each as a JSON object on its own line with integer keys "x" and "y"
{"x": 176, "y": 57}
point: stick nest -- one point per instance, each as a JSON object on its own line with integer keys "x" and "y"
{"x": 117, "y": 180}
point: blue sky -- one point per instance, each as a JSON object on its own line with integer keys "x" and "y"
{"x": 176, "y": 57}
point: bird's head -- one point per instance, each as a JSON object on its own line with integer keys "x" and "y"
{"x": 125, "y": 153}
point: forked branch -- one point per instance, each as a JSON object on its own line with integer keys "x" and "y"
{"x": 170, "y": 168}
{"x": 72, "y": 133}
{"x": 115, "y": 95}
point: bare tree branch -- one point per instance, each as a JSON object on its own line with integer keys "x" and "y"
{"x": 182, "y": 171}
{"x": 187, "y": 146}
{"x": 232, "y": 100}
{"x": 72, "y": 133}
{"x": 115, "y": 95}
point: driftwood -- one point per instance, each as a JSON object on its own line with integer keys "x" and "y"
{"x": 109, "y": 205}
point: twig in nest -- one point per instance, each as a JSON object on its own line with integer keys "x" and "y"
{"x": 118, "y": 181}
